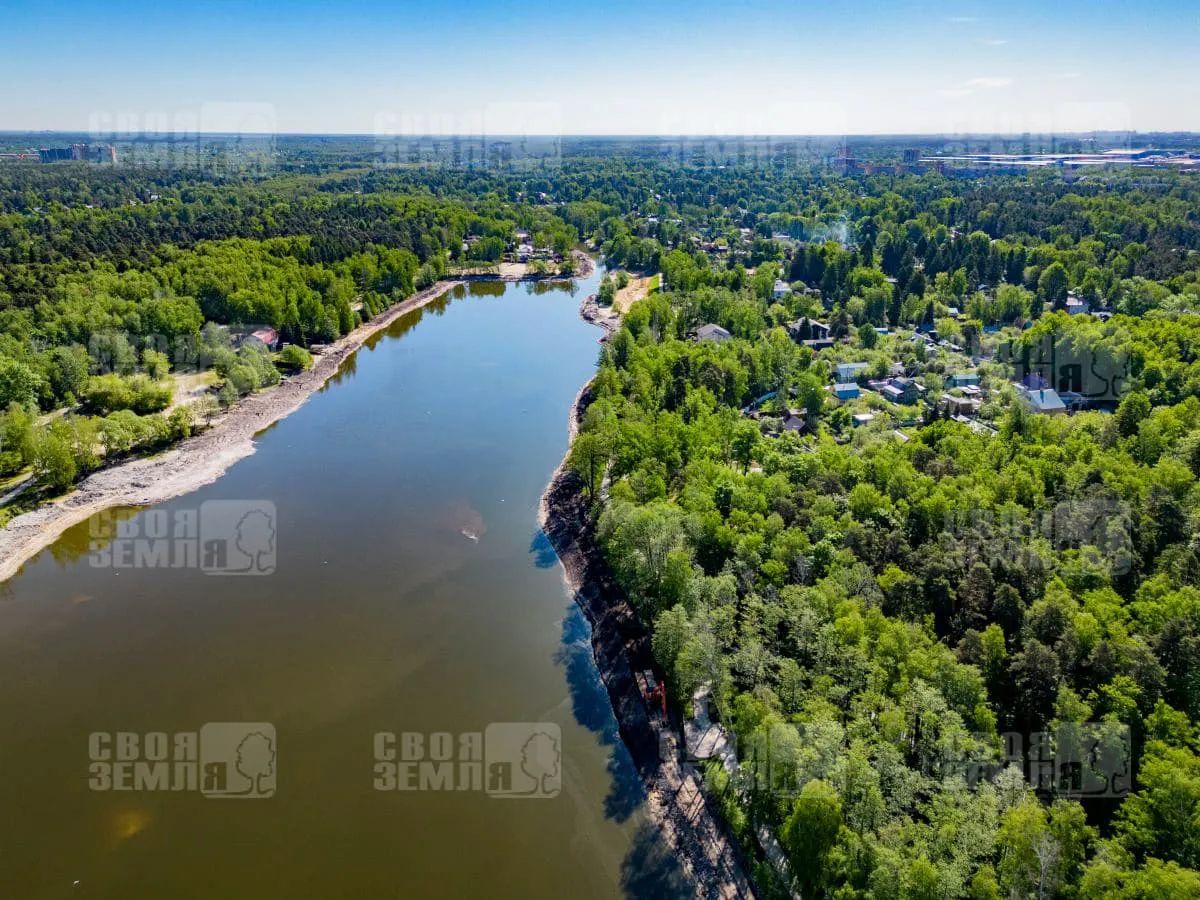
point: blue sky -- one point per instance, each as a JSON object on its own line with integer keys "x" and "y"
{"x": 612, "y": 67}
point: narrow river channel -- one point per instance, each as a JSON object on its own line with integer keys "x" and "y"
{"x": 405, "y": 588}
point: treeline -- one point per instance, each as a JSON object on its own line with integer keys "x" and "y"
{"x": 103, "y": 304}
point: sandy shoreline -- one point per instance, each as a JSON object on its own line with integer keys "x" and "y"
{"x": 196, "y": 461}
{"x": 202, "y": 459}
{"x": 675, "y": 802}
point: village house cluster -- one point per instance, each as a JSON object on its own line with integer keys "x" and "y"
{"x": 912, "y": 376}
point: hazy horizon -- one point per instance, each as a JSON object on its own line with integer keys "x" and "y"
{"x": 181, "y": 135}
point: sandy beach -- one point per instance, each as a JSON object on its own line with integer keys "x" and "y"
{"x": 196, "y": 461}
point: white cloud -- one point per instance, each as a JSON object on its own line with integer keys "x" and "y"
{"x": 988, "y": 82}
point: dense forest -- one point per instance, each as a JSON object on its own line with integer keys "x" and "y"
{"x": 901, "y": 602}
{"x": 110, "y": 290}
{"x": 876, "y": 599}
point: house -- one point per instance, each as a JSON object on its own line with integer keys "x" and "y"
{"x": 1043, "y": 400}
{"x": 961, "y": 406}
{"x": 863, "y": 418}
{"x": 1077, "y": 306}
{"x": 714, "y": 333}
{"x": 795, "y": 421}
{"x": 963, "y": 379}
{"x": 953, "y": 312}
{"x": 849, "y": 371}
{"x": 901, "y": 390}
{"x": 847, "y": 391}
{"x": 805, "y": 330}
{"x": 781, "y": 289}
{"x": 267, "y": 337}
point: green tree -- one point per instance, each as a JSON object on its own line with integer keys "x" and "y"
{"x": 53, "y": 459}
{"x": 18, "y": 383}
{"x": 1053, "y": 284}
{"x": 811, "y": 831}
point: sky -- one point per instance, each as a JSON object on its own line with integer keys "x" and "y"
{"x": 611, "y": 67}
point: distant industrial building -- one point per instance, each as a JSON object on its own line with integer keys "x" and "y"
{"x": 1144, "y": 158}
{"x": 94, "y": 153}
{"x": 54, "y": 154}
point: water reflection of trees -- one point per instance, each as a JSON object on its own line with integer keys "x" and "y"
{"x": 592, "y": 709}
{"x": 490, "y": 288}
{"x": 650, "y": 869}
{"x": 538, "y": 288}
{"x": 92, "y": 535}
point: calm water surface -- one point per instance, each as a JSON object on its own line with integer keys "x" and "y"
{"x": 381, "y": 615}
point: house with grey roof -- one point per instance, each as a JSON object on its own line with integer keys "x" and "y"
{"x": 713, "y": 333}
{"x": 1043, "y": 400}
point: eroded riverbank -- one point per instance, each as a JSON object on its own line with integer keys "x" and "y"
{"x": 675, "y": 801}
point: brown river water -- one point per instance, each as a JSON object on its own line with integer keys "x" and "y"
{"x": 348, "y": 668}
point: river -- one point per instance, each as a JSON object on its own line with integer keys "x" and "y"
{"x": 397, "y": 619}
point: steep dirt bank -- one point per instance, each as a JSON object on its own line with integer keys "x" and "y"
{"x": 621, "y": 646}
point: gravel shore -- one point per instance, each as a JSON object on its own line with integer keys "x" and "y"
{"x": 196, "y": 461}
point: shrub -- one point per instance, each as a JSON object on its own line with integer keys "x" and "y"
{"x": 109, "y": 393}
{"x": 294, "y": 358}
